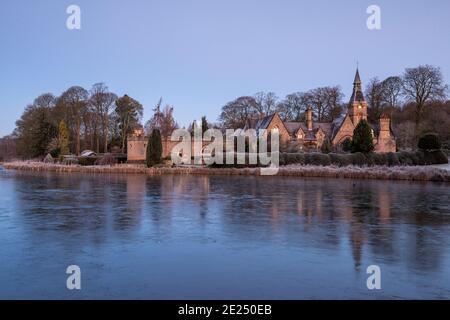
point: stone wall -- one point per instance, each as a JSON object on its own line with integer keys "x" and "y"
{"x": 137, "y": 148}
{"x": 285, "y": 137}
{"x": 346, "y": 131}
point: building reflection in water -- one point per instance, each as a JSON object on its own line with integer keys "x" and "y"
{"x": 378, "y": 220}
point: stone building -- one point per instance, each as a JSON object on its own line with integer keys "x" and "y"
{"x": 299, "y": 136}
{"x": 310, "y": 135}
{"x": 137, "y": 146}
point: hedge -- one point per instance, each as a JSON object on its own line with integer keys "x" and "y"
{"x": 403, "y": 158}
{"x": 87, "y": 161}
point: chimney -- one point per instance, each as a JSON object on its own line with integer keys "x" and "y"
{"x": 385, "y": 124}
{"x": 309, "y": 121}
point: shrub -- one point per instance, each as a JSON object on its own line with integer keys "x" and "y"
{"x": 369, "y": 159}
{"x": 347, "y": 145}
{"x": 87, "y": 161}
{"x": 293, "y": 147}
{"x": 296, "y": 158}
{"x": 69, "y": 160}
{"x": 154, "y": 148}
{"x": 319, "y": 159}
{"x": 121, "y": 158}
{"x": 435, "y": 157}
{"x": 48, "y": 158}
{"x": 53, "y": 148}
{"x": 404, "y": 158}
{"x": 326, "y": 146}
{"x": 419, "y": 158}
{"x": 392, "y": 159}
{"x": 362, "y": 138}
{"x": 415, "y": 159}
{"x": 55, "y": 152}
{"x": 358, "y": 159}
{"x": 429, "y": 142}
{"x": 446, "y": 147}
{"x": 246, "y": 163}
{"x": 378, "y": 159}
{"x": 107, "y": 160}
{"x": 341, "y": 160}
{"x": 283, "y": 157}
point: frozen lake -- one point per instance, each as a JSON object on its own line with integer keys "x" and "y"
{"x": 208, "y": 237}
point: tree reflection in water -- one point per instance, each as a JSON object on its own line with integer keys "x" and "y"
{"x": 307, "y": 222}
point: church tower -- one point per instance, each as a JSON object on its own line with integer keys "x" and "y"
{"x": 357, "y": 108}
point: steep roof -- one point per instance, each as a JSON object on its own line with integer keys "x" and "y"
{"x": 264, "y": 122}
{"x": 357, "y": 77}
{"x": 292, "y": 127}
{"x": 336, "y": 125}
{"x": 357, "y": 94}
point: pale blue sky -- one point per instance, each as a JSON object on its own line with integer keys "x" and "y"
{"x": 200, "y": 54}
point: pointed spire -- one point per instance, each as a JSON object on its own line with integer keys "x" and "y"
{"x": 357, "y": 94}
{"x": 357, "y": 78}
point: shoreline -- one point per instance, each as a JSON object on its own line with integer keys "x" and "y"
{"x": 405, "y": 173}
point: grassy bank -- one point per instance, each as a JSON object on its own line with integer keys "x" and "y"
{"x": 417, "y": 173}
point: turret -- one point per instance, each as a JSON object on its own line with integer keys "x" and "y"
{"x": 385, "y": 126}
{"x": 357, "y": 108}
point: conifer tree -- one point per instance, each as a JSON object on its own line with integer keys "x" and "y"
{"x": 326, "y": 146}
{"x": 154, "y": 148}
{"x": 362, "y": 138}
{"x": 63, "y": 138}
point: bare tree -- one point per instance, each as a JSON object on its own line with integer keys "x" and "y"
{"x": 293, "y": 106}
{"x": 324, "y": 101}
{"x": 266, "y": 103}
{"x": 101, "y": 101}
{"x": 8, "y": 147}
{"x": 375, "y": 98}
{"x": 392, "y": 89}
{"x": 333, "y": 98}
{"x": 75, "y": 100}
{"x": 46, "y": 100}
{"x": 423, "y": 85}
{"x": 236, "y": 113}
{"x": 162, "y": 120}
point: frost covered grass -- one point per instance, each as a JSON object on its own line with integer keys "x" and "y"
{"x": 416, "y": 173}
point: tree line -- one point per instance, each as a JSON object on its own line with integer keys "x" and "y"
{"x": 100, "y": 120}
{"x": 78, "y": 119}
{"x": 325, "y": 101}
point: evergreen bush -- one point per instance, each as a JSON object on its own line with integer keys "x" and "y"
{"x": 154, "y": 149}
{"x": 362, "y": 138}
